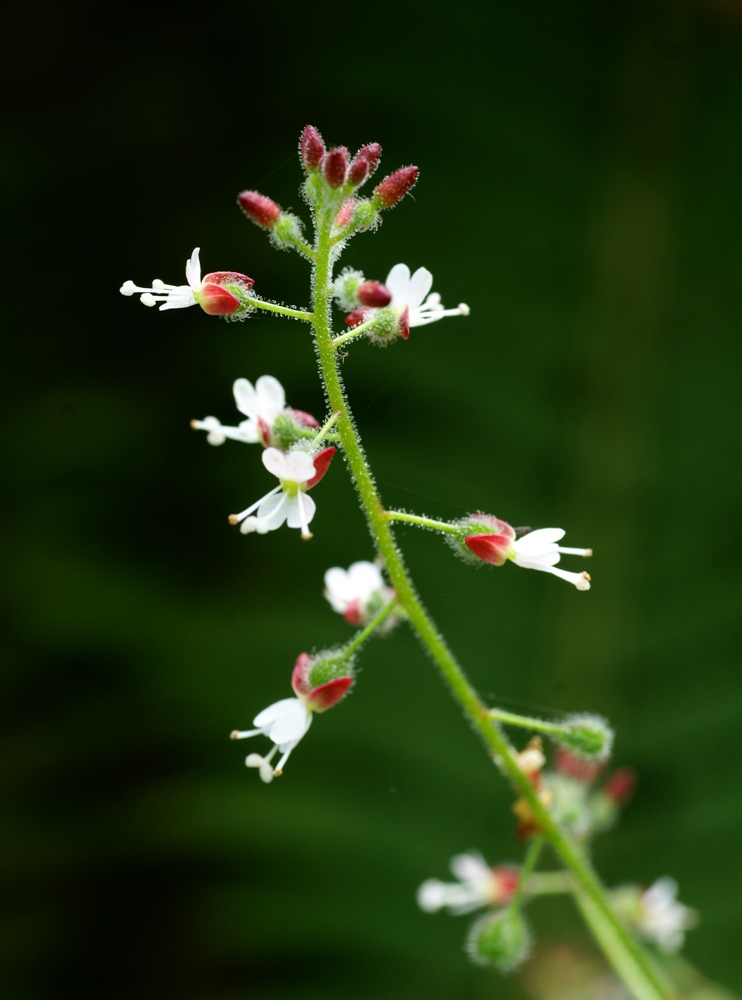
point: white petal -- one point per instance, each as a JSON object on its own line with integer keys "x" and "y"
{"x": 364, "y": 579}
{"x": 537, "y": 560}
{"x": 269, "y": 715}
{"x": 470, "y": 868}
{"x": 299, "y": 467}
{"x": 272, "y": 513}
{"x": 193, "y": 270}
{"x": 248, "y": 431}
{"x": 538, "y": 541}
{"x": 271, "y": 397}
{"x": 431, "y": 895}
{"x": 291, "y": 724}
{"x": 294, "y": 517}
{"x": 420, "y": 285}
{"x": 398, "y": 283}
{"x": 245, "y": 397}
{"x": 275, "y": 462}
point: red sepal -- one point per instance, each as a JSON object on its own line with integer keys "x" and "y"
{"x": 264, "y": 431}
{"x": 352, "y": 613}
{"x": 572, "y": 767}
{"x": 492, "y": 549}
{"x": 356, "y": 317}
{"x": 299, "y": 676}
{"x": 305, "y": 418}
{"x": 217, "y": 301}
{"x": 229, "y": 278}
{"x": 321, "y": 464}
{"x": 404, "y": 323}
{"x": 327, "y": 695}
{"x": 345, "y": 215}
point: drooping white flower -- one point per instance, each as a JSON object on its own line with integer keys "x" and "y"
{"x": 297, "y": 471}
{"x": 534, "y": 550}
{"x": 210, "y": 293}
{"x": 357, "y": 593}
{"x": 284, "y": 722}
{"x": 477, "y": 885}
{"x": 662, "y": 918}
{"x": 261, "y": 404}
{"x": 411, "y": 295}
{"x": 539, "y": 550}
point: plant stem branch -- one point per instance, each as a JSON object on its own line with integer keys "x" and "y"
{"x": 628, "y": 958}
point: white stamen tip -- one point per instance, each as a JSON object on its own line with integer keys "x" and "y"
{"x": 277, "y": 773}
{"x": 306, "y": 535}
{"x": 148, "y": 299}
{"x": 588, "y": 552}
{"x": 128, "y": 288}
{"x": 158, "y": 284}
{"x": 464, "y": 309}
{"x": 234, "y": 518}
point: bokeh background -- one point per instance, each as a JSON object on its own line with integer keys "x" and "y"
{"x": 580, "y": 189}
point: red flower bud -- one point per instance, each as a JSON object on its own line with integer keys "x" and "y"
{"x": 229, "y": 278}
{"x": 311, "y": 147}
{"x": 620, "y": 785}
{"x": 373, "y": 294}
{"x": 394, "y": 187}
{"x": 327, "y": 695}
{"x": 260, "y": 209}
{"x": 321, "y": 464}
{"x": 492, "y": 548}
{"x": 345, "y": 214}
{"x": 305, "y": 418}
{"x": 334, "y": 166}
{"x": 364, "y": 163}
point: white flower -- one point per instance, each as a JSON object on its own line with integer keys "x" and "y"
{"x": 411, "y": 292}
{"x": 662, "y": 918}
{"x": 358, "y": 592}
{"x": 538, "y": 550}
{"x": 286, "y": 502}
{"x": 171, "y": 296}
{"x": 478, "y": 885}
{"x": 261, "y": 405}
{"x": 284, "y": 722}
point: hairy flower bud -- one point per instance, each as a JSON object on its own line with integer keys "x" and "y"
{"x": 394, "y": 187}
{"x": 334, "y": 166}
{"x": 501, "y": 939}
{"x": 261, "y": 209}
{"x": 364, "y": 163}
{"x": 588, "y": 737}
{"x": 311, "y": 148}
{"x": 373, "y": 294}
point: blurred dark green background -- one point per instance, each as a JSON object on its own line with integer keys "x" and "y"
{"x": 580, "y": 189}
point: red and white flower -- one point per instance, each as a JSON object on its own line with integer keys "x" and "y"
{"x": 477, "y": 885}
{"x": 211, "y": 293}
{"x": 297, "y": 472}
{"x": 534, "y": 550}
{"x": 357, "y": 593}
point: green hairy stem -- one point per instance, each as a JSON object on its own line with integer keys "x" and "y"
{"x": 622, "y": 950}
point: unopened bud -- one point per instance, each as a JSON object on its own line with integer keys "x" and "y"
{"x": 501, "y": 939}
{"x": 286, "y": 230}
{"x": 364, "y": 163}
{"x": 334, "y": 166}
{"x": 365, "y": 215}
{"x": 373, "y": 294}
{"x": 394, "y": 187}
{"x": 482, "y": 538}
{"x": 345, "y": 215}
{"x": 311, "y": 148}
{"x": 588, "y": 737}
{"x": 262, "y": 210}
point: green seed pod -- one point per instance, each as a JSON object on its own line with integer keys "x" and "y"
{"x": 501, "y": 939}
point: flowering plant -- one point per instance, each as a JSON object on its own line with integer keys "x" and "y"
{"x": 562, "y": 806}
